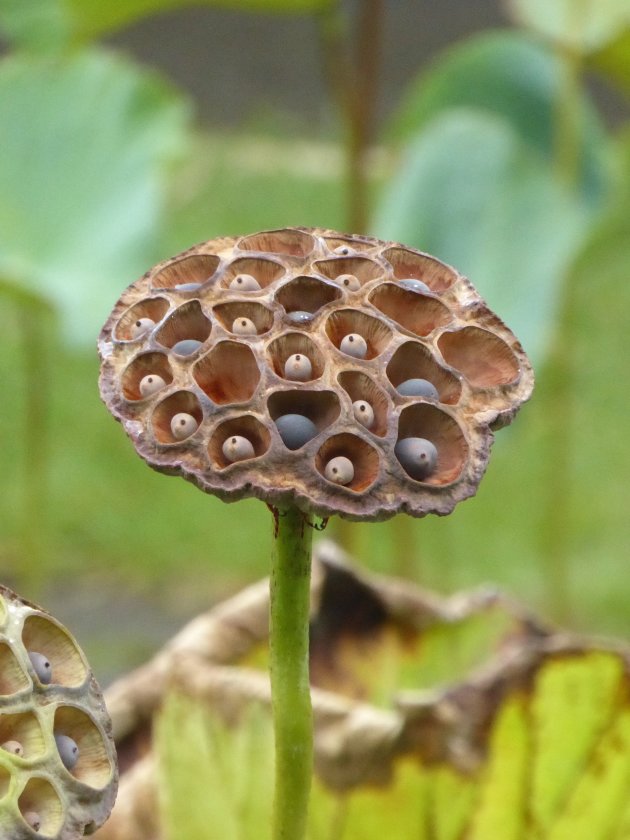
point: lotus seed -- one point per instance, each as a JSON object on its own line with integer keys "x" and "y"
{"x": 13, "y": 747}
{"x": 186, "y": 347}
{"x": 363, "y": 413}
{"x": 41, "y": 666}
{"x": 298, "y": 367}
{"x": 354, "y": 345}
{"x": 295, "y": 430}
{"x": 244, "y": 326}
{"x": 142, "y": 326}
{"x": 245, "y": 282}
{"x": 68, "y": 751}
{"x": 33, "y": 820}
{"x": 183, "y": 425}
{"x": 340, "y": 470}
{"x": 343, "y": 250}
{"x": 349, "y": 282}
{"x": 187, "y": 287}
{"x": 151, "y": 384}
{"x": 300, "y": 316}
{"x": 417, "y": 456}
{"x": 418, "y": 388}
{"x": 237, "y": 448}
{"x": 415, "y": 285}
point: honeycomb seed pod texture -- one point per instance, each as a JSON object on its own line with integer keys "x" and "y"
{"x": 48, "y": 697}
{"x": 317, "y": 294}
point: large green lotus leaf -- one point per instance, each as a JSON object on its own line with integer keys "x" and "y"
{"x": 86, "y": 144}
{"x": 470, "y": 192}
{"x": 510, "y": 75}
{"x": 46, "y": 24}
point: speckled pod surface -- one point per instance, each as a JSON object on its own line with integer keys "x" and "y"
{"x": 41, "y": 796}
{"x": 235, "y": 374}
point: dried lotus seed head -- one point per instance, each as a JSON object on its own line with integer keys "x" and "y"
{"x": 151, "y": 384}
{"x": 238, "y": 448}
{"x": 41, "y": 666}
{"x": 354, "y": 345}
{"x": 298, "y": 367}
{"x": 244, "y": 326}
{"x": 364, "y": 413}
{"x": 13, "y": 747}
{"x": 183, "y": 425}
{"x": 141, "y": 327}
{"x": 340, "y": 470}
{"x": 349, "y": 282}
{"x": 245, "y": 283}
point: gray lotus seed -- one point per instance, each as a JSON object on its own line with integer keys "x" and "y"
{"x": 418, "y": 388}
{"x": 298, "y": 367}
{"x": 187, "y": 287}
{"x": 141, "y": 326}
{"x": 68, "y": 751}
{"x": 245, "y": 283}
{"x": 244, "y": 326}
{"x": 13, "y": 747}
{"x": 33, "y": 820}
{"x": 415, "y": 285}
{"x": 237, "y": 448}
{"x": 295, "y": 430}
{"x": 300, "y": 316}
{"x": 363, "y": 413}
{"x": 349, "y": 282}
{"x": 183, "y": 425}
{"x": 340, "y": 470}
{"x": 41, "y": 666}
{"x": 354, "y": 345}
{"x": 417, "y": 456}
{"x": 186, "y": 347}
{"x": 151, "y": 384}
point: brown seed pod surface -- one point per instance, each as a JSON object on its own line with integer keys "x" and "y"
{"x": 48, "y": 697}
{"x": 417, "y": 319}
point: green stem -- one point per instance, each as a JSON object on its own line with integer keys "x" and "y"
{"x": 290, "y": 686}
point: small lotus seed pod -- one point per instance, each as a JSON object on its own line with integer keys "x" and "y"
{"x": 186, "y": 347}
{"x": 244, "y": 326}
{"x": 349, "y": 282}
{"x": 68, "y": 750}
{"x": 295, "y": 430}
{"x": 33, "y": 820}
{"x": 238, "y": 448}
{"x": 188, "y": 287}
{"x": 417, "y": 456}
{"x": 183, "y": 425}
{"x": 142, "y": 326}
{"x": 41, "y": 666}
{"x": 340, "y": 470}
{"x": 13, "y": 747}
{"x": 418, "y": 388}
{"x": 245, "y": 283}
{"x": 151, "y": 384}
{"x": 415, "y": 285}
{"x": 300, "y": 316}
{"x": 298, "y": 367}
{"x": 342, "y": 250}
{"x": 354, "y": 345}
{"x": 363, "y": 413}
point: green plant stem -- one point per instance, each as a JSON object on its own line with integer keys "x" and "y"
{"x": 290, "y": 686}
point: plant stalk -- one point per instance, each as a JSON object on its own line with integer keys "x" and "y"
{"x": 289, "y": 665}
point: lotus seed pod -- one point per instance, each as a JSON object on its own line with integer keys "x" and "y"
{"x": 349, "y": 282}
{"x": 183, "y": 425}
{"x": 415, "y": 285}
{"x": 418, "y": 388}
{"x": 42, "y": 727}
{"x": 244, "y": 326}
{"x": 354, "y": 345}
{"x": 410, "y": 316}
{"x": 13, "y": 747}
{"x": 295, "y": 430}
{"x": 186, "y": 347}
{"x": 238, "y": 448}
{"x": 187, "y": 287}
{"x": 41, "y": 666}
{"x": 340, "y": 470}
{"x": 141, "y": 327}
{"x": 151, "y": 384}
{"x": 298, "y": 367}
{"x": 417, "y": 456}
{"x": 245, "y": 283}
{"x": 364, "y": 413}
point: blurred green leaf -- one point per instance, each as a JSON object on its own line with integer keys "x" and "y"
{"x": 472, "y": 193}
{"x": 510, "y": 75}
{"x": 583, "y": 25}
{"x": 86, "y": 145}
{"x": 613, "y": 61}
{"x": 45, "y": 24}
